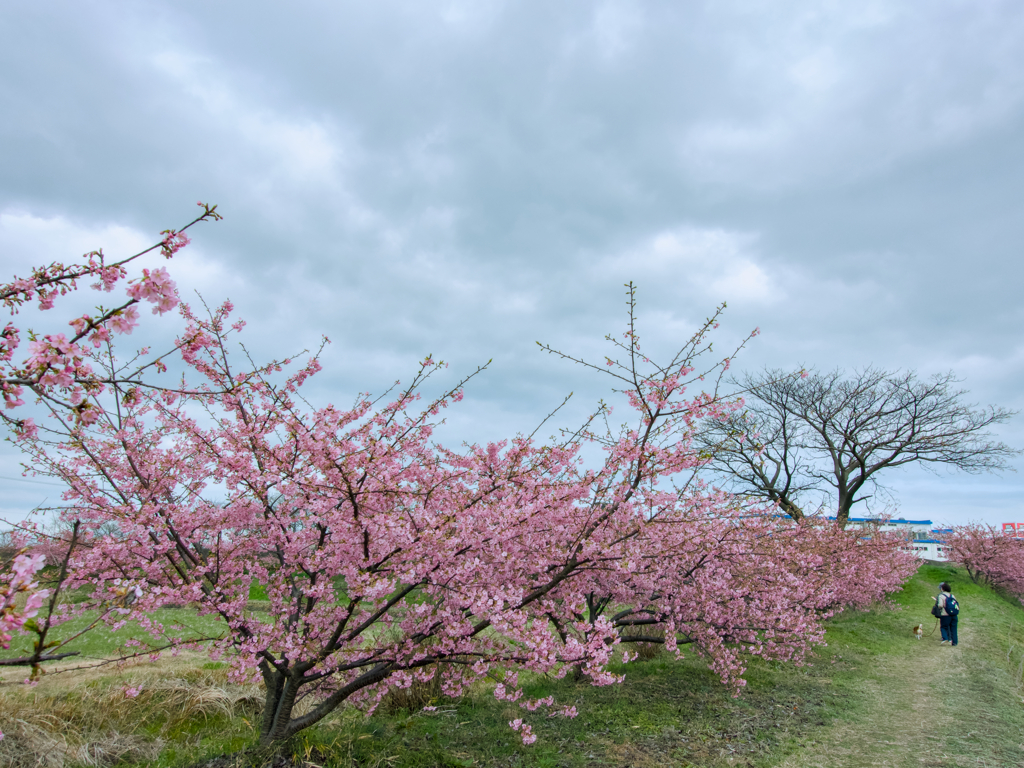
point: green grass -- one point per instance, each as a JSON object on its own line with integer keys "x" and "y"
{"x": 986, "y": 694}
{"x": 257, "y": 591}
{"x": 921, "y": 703}
{"x": 677, "y": 713}
{"x": 101, "y": 642}
{"x": 670, "y": 712}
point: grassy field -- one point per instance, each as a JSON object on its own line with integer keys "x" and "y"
{"x": 873, "y": 696}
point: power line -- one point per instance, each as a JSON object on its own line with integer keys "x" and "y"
{"x": 26, "y": 480}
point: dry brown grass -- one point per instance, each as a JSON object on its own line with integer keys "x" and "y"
{"x": 28, "y": 745}
{"x": 101, "y": 721}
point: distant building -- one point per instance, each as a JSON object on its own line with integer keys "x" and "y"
{"x": 914, "y": 529}
{"x": 930, "y": 549}
{"x": 925, "y": 542}
{"x": 1014, "y": 529}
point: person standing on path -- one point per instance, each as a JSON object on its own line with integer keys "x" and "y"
{"x": 947, "y": 620}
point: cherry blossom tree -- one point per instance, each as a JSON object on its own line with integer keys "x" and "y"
{"x": 989, "y": 555}
{"x": 388, "y": 558}
{"x": 750, "y": 575}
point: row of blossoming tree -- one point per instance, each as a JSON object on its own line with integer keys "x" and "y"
{"x": 990, "y": 556}
{"x": 388, "y": 558}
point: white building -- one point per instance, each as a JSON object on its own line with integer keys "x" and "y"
{"x": 922, "y": 539}
{"x": 930, "y": 549}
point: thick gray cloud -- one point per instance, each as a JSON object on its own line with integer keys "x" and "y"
{"x": 464, "y": 178}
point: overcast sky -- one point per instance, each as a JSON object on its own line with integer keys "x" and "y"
{"x": 466, "y": 178}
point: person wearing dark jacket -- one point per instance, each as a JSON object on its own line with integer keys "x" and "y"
{"x": 947, "y": 622}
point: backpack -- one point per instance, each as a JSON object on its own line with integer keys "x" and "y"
{"x": 952, "y": 606}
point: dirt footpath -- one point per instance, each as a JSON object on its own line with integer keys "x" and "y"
{"x": 903, "y": 726}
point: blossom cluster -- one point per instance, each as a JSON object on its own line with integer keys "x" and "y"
{"x": 20, "y": 580}
{"x": 57, "y": 366}
{"x": 156, "y": 287}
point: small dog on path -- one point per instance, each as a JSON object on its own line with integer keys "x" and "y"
{"x": 918, "y": 631}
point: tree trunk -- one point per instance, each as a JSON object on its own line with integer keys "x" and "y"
{"x": 790, "y": 508}
{"x": 277, "y": 710}
{"x": 845, "y": 504}
{"x": 282, "y": 690}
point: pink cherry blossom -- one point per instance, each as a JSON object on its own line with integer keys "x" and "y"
{"x": 21, "y": 579}
{"x": 991, "y": 556}
{"x": 125, "y": 321}
{"x": 52, "y": 366}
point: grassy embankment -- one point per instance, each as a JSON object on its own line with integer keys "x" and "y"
{"x": 873, "y": 696}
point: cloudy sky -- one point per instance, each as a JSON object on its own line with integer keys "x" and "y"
{"x": 466, "y": 178}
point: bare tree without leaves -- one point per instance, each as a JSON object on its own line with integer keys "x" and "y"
{"x": 819, "y": 441}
